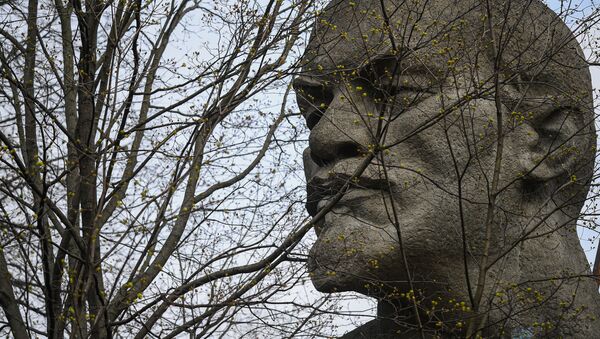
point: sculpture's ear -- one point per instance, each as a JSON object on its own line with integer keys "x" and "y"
{"x": 559, "y": 139}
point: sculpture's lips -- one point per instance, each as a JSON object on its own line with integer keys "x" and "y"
{"x": 351, "y": 196}
{"x": 320, "y": 191}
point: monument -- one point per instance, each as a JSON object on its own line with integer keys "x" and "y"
{"x": 450, "y": 153}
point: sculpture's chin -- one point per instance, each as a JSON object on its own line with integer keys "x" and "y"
{"x": 330, "y": 284}
{"x": 352, "y": 254}
{"x": 340, "y": 279}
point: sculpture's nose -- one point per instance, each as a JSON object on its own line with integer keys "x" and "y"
{"x": 345, "y": 130}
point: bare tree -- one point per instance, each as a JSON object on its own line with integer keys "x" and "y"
{"x": 143, "y": 179}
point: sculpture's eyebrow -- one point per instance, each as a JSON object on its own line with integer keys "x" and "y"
{"x": 377, "y": 64}
{"x": 407, "y": 65}
{"x": 305, "y": 81}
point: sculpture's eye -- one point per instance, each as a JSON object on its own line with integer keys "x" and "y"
{"x": 408, "y": 97}
{"x": 402, "y": 92}
{"x": 313, "y": 99}
{"x": 401, "y": 83}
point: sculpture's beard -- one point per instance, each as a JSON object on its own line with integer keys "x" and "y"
{"x": 357, "y": 245}
{"x": 350, "y": 252}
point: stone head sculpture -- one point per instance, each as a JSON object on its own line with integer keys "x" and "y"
{"x": 450, "y": 154}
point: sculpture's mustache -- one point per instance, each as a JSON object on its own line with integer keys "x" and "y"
{"x": 320, "y": 188}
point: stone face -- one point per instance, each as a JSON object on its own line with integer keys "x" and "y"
{"x": 479, "y": 122}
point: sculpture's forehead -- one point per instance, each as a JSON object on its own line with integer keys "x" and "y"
{"x": 541, "y": 50}
{"x": 348, "y": 34}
